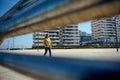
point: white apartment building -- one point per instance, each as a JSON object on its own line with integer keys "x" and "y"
{"x": 104, "y": 29}
{"x": 118, "y": 26}
{"x": 38, "y": 37}
{"x": 68, "y": 36}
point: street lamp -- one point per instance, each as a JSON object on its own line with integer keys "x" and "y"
{"x": 8, "y": 44}
{"x": 116, "y": 37}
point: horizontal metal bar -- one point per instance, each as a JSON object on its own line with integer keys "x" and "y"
{"x": 54, "y": 68}
{"x": 49, "y": 14}
{"x": 40, "y": 9}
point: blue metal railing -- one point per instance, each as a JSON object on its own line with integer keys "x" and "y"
{"x": 52, "y": 68}
{"x": 37, "y": 9}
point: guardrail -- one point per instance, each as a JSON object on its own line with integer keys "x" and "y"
{"x": 53, "y": 68}
{"x": 48, "y": 14}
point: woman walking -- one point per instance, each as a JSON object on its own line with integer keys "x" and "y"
{"x": 48, "y": 45}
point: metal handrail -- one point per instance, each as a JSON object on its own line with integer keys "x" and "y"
{"x": 54, "y": 68}
{"x": 50, "y": 14}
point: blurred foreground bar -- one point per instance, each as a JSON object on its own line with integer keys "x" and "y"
{"x": 52, "y": 68}
{"x": 29, "y": 16}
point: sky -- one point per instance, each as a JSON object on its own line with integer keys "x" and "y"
{"x": 26, "y": 41}
{"x": 85, "y": 26}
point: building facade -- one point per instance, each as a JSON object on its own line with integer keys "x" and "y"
{"x": 85, "y": 38}
{"x": 70, "y": 36}
{"x": 67, "y": 36}
{"x": 104, "y": 30}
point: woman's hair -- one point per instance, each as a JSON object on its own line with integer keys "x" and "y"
{"x": 46, "y": 35}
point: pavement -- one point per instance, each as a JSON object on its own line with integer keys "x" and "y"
{"x": 8, "y": 74}
{"x": 91, "y": 54}
{"x": 94, "y": 54}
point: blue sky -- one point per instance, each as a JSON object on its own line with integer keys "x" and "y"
{"x": 26, "y": 41}
{"x": 85, "y": 26}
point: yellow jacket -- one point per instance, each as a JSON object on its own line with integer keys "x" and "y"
{"x": 47, "y": 42}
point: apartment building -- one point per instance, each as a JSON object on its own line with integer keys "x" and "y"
{"x": 39, "y": 36}
{"x": 118, "y": 26}
{"x": 67, "y": 36}
{"x": 70, "y": 36}
{"x": 104, "y": 29}
{"x": 84, "y": 37}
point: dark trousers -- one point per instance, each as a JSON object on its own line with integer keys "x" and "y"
{"x": 46, "y": 50}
